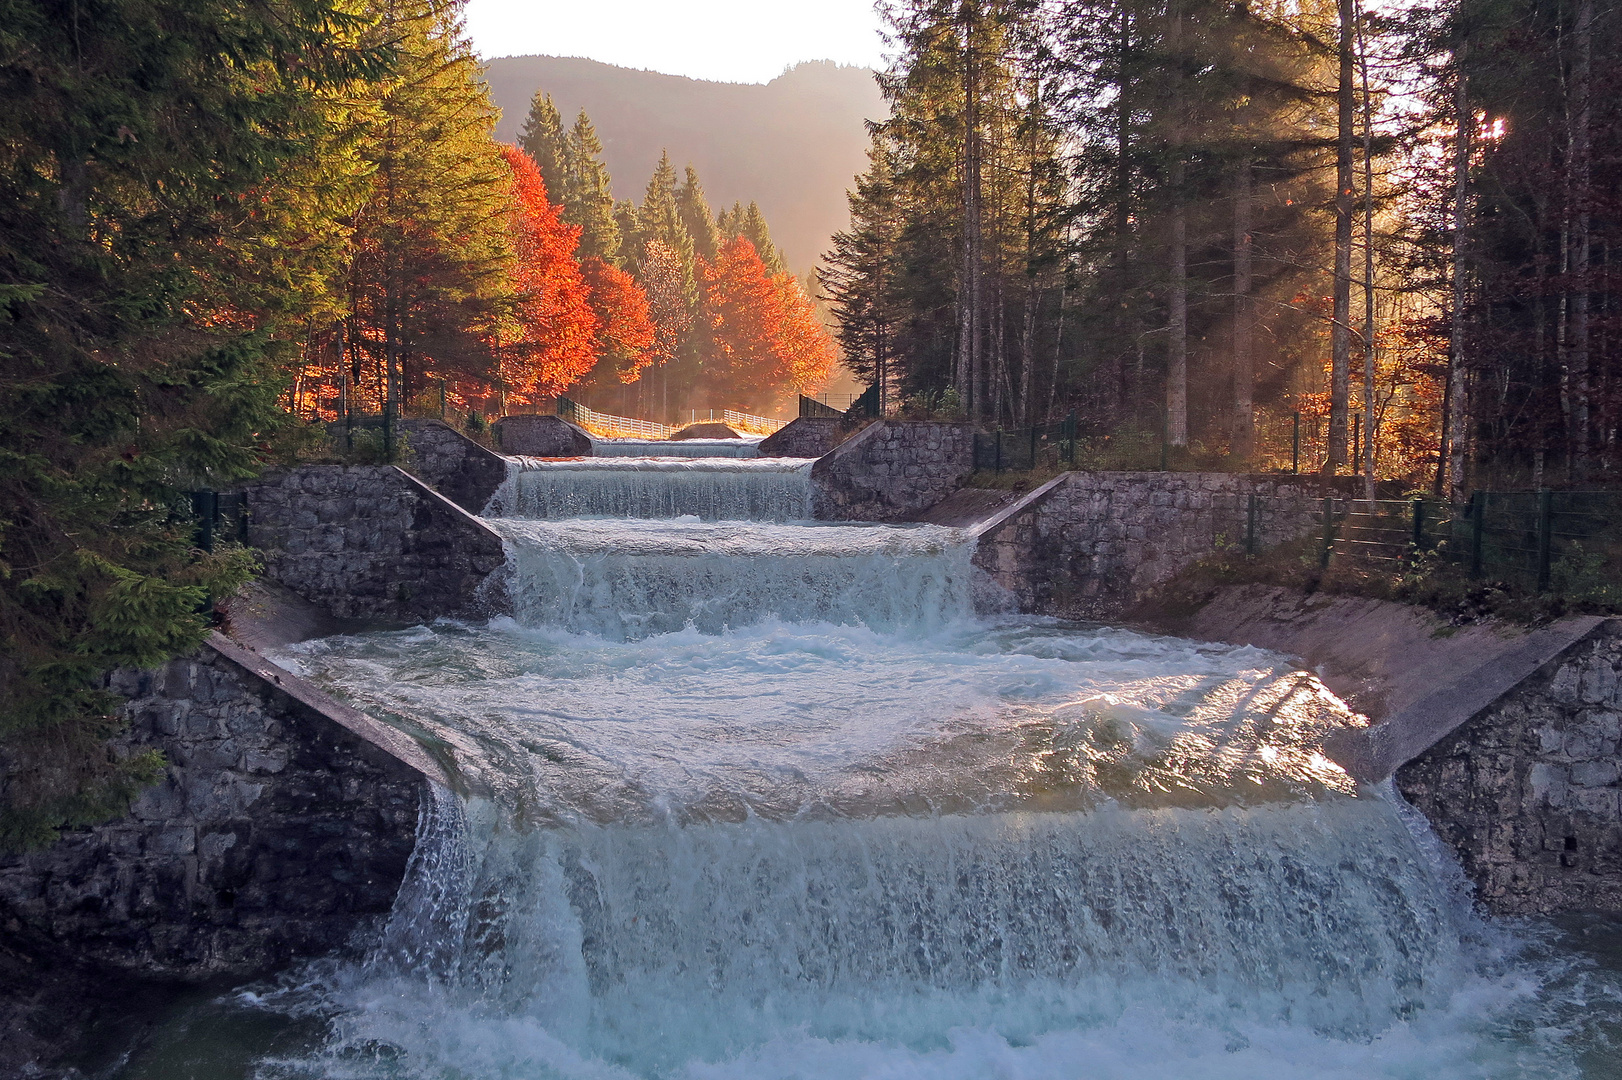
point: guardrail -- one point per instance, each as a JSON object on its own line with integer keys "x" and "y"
{"x": 608, "y": 426}
{"x": 750, "y": 423}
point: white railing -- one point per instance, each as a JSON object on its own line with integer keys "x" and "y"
{"x": 748, "y": 422}
{"x": 608, "y": 426}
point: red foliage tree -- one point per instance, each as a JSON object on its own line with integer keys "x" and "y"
{"x": 625, "y": 331}
{"x": 765, "y": 331}
{"x": 551, "y": 341}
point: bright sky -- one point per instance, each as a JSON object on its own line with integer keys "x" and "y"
{"x": 725, "y": 40}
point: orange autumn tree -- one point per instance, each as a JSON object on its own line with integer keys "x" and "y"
{"x": 625, "y": 330}
{"x": 550, "y": 341}
{"x": 765, "y": 332}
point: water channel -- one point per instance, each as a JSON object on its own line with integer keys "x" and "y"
{"x": 740, "y": 795}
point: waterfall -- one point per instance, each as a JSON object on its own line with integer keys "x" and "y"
{"x": 763, "y": 798}
{"x": 624, "y": 579}
{"x": 770, "y": 489}
{"x": 681, "y": 448}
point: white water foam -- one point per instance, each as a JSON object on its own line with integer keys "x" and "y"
{"x": 745, "y": 447}
{"x": 769, "y": 489}
{"x": 627, "y": 578}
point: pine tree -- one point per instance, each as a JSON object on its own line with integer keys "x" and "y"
{"x": 431, "y": 252}
{"x": 861, "y": 274}
{"x": 749, "y": 223}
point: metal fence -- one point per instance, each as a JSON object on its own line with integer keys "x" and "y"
{"x": 1023, "y": 449}
{"x": 1521, "y": 537}
{"x": 220, "y": 516}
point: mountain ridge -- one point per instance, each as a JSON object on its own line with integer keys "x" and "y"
{"x": 793, "y": 145}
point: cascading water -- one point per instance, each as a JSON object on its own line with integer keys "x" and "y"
{"x": 759, "y": 800}
{"x": 678, "y": 448}
{"x": 769, "y": 489}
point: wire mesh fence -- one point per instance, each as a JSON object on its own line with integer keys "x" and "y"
{"x": 1023, "y": 449}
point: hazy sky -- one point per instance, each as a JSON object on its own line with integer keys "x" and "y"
{"x": 727, "y": 40}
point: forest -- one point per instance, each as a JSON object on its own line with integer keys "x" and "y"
{"x": 1203, "y": 223}
{"x": 227, "y": 223}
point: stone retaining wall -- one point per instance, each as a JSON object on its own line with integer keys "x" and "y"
{"x": 892, "y": 470}
{"x": 371, "y": 542}
{"x": 282, "y": 825}
{"x": 541, "y": 436}
{"x": 806, "y": 437}
{"x": 1527, "y": 792}
{"x": 1092, "y": 544}
{"x": 454, "y": 465}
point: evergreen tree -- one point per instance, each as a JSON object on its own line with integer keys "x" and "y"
{"x": 429, "y": 277}
{"x": 544, "y": 140}
{"x": 590, "y": 203}
{"x": 695, "y": 217}
{"x": 153, "y": 268}
{"x": 749, "y": 223}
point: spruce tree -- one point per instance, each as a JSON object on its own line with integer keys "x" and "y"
{"x": 543, "y": 139}
{"x": 144, "y": 317}
{"x": 694, "y": 210}
{"x": 590, "y": 203}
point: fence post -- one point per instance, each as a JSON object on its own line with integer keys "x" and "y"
{"x": 1070, "y": 432}
{"x": 1295, "y": 445}
{"x": 1357, "y": 444}
{"x": 999, "y": 451}
{"x": 206, "y": 505}
{"x": 1478, "y": 517}
{"x": 1250, "y": 524}
{"x": 1033, "y": 446}
{"x": 1165, "y": 435}
{"x": 1419, "y": 525}
{"x": 1545, "y": 536}
{"x": 1329, "y": 528}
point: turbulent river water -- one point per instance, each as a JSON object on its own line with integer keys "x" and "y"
{"x": 741, "y": 795}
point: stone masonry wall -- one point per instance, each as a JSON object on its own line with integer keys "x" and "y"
{"x": 1093, "y": 545}
{"x": 370, "y": 542}
{"x": 282, "y": 825}
{"x": 892, "y": 470}
{"x": 454, "y": 465}
{"x": 541, "y": 436}
{"x": 806, "y": 437}
{"x": 1527, "y": 792}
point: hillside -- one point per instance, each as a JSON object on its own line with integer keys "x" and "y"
{"x": 793, "y": 145}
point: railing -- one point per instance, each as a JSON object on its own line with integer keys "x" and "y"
{"x": 607, "y": 426}
{"x": 818, "y": 410}
{"x": 1026, "y": 448}
{"x": 750, "y": 423}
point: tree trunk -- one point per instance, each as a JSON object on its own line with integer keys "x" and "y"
{"x": 1242, "y": 445}
{"x": 969, "y": 363}
{"x": 1340, "y": 331}
{"x": 1581, "y": 166}
{"x": 1456, "y": 439}
{"x": 1177, "y": 345}
{"x": 1370, "y": 428}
